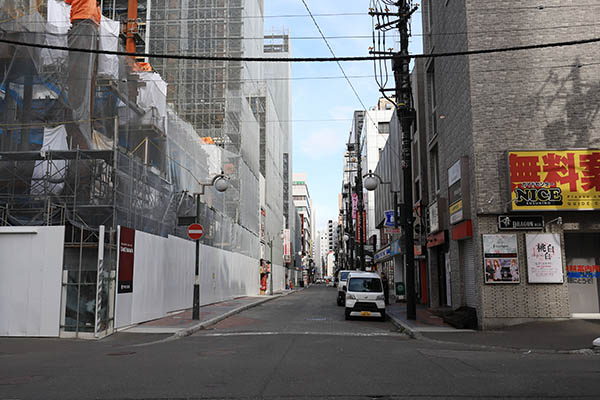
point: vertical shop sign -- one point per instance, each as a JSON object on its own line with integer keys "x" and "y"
{"x": 500, "y": 259}
{"x": 126, "y": 253}
{"x": 544, "y": 258}
{"x": 458, "y": 191}
{"x": 354, "y": 205}
{"x": 434, "y": 217}
{"x": 362, "y": 222}
{"x": 263, "y": 219}
{"x": 287, "y": 248}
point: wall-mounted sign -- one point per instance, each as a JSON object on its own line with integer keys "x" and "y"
{"x": 126, "y": 253}
{"x": 392, "y": 231}
{"x": 382, "y": 254}
{"x": 500, "y": 260}
{"x": 436, "y": 239}
{"x": 395, "y": 247}
{"x": 434, "y": 217}
{"x": 554, "y": 180}
{"x": 544, "y": 258}
{"x": 458, "y": 191}
{"x": 512, "y": 222}
{"x": 389, "y": 218}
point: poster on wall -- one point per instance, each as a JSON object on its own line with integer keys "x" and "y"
{"x": 500, "y": 259}
{"x": 554, "y": 180}
{"x": 544, "y": 258}
{"x": 126, "y": 252}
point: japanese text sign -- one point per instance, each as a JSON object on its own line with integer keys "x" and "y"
{"x": 555, "y": 180}
{"x": 544, "y": 258}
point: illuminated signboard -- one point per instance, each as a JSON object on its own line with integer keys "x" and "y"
{"x": 554, "y": 180}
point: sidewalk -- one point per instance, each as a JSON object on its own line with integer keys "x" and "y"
{"x": 181, "y": 323}
{"x": 563, "y": 336}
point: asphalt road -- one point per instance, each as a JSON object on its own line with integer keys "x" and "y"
{"x": 294, "y": 347}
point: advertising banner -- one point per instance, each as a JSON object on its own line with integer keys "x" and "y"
{"x": 555, "y": 180}
{"x": 500, "y": 259}
{"x": 287, "y": 247}
{"x": 126, "y": 253}
{"x": 544, "y": 258}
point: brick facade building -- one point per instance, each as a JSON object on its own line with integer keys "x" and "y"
{"x": 478, "y": 109}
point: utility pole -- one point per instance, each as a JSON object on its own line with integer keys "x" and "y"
{"x": 406, "y": 116}
{"x": 360, "y": 218}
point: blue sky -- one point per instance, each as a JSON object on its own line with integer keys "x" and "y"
{"x": 327, "y": 104}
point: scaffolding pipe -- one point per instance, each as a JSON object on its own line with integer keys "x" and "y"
{"x": 132, "y": 14}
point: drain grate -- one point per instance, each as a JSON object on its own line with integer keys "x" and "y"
{"x": 316, "y": 319}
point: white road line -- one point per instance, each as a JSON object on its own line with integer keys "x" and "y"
{"x": 354, "y": 334}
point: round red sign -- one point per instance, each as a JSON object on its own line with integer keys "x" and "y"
{"x": 195, "y": 231}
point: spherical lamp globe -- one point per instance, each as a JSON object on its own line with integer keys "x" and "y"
{"x": 221, "y": 184}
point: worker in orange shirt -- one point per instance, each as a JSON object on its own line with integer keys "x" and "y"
{"x": 85, "y": 24}
{"x": 84, "y": 10}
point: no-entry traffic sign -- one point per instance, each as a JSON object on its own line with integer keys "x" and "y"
{"x": 195, "y": 231}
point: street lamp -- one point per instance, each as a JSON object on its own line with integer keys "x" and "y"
{"x": 407, "y": 221}
{"x": 372, "y": 181}
{"x": 221, "y": 183}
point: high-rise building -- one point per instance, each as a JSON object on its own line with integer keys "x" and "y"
{"x": 303, "y": 203}
{"x": 376, "y": 130}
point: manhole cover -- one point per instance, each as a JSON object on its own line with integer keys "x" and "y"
{"x": 121, "y": 353}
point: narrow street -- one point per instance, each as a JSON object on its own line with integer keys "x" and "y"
{"x": 297, "y": 346}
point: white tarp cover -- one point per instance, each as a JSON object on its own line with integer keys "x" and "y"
{"x": 108, "y": 64}
{"x": 31, "y": 262}
{"x": 153, "y": 94}
{"x": 57, "y": 27}
{"x": 48, "y": 176}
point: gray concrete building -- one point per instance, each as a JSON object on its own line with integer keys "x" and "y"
{"x": 502, "y": 129}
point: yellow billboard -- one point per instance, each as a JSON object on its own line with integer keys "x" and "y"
{"x": 550, "y": 180}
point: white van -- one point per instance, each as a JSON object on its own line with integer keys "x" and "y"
{"x": 364, "y": 295}
{"x": 342, "y": 278}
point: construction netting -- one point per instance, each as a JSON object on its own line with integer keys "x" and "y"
{"x": 95, "y": 139}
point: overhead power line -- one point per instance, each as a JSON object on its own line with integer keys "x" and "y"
{"x": 309, "y": 59}
{"x": 333, "y": 54}
{"x": 272, "y": 36}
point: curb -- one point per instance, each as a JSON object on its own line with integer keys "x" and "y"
{"x": 205, "y": 324}
{"x": 410, "y": 331}
{"x": 406, "y": 328}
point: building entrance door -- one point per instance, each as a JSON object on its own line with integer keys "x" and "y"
{"x": 423, "y": 292}
{"x": 441, "y": 277}
{"x": 583, "y": 275}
